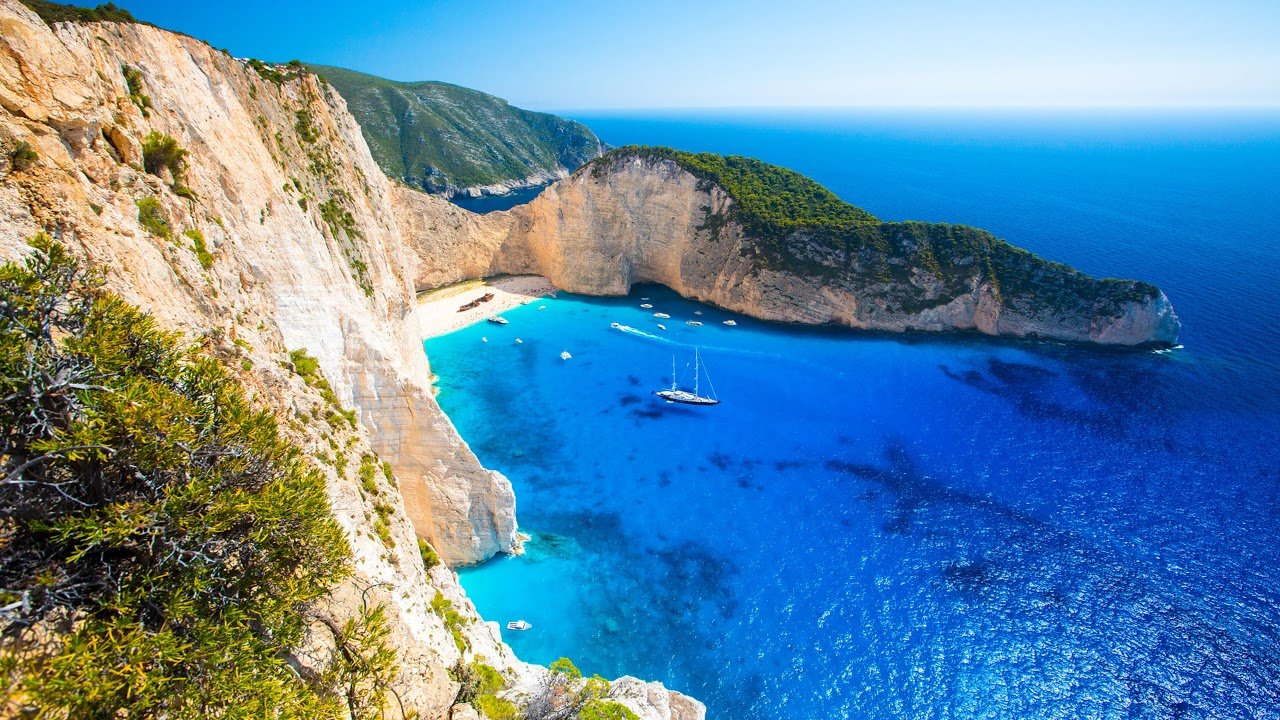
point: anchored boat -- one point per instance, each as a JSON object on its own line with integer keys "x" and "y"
{"x": 519, "y": 625}
{"x": 675, "y": 395}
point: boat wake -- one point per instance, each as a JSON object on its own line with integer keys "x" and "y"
{"x": 640, "y": 333}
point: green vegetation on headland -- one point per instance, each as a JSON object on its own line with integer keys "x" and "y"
{"x": 438, "y": 136}
{"x": 52, "y": 12}
{"x": 796, "y": 225}
{"x": 160, "y": 540}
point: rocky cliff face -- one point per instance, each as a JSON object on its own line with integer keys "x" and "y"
{"x": 275, "y": 234}
{"x": 632, "y": 218}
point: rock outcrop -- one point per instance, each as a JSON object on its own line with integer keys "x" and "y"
{"x": 273, "y": 234}
{"x": 637, "y": 216}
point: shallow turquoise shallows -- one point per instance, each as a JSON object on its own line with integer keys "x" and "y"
{"x": 875, "y": 526}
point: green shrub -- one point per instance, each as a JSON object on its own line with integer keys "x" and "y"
{"x": 144, "y": 495}
{"x": 266, "y": 72}
{"x": 160, "y": 151}
{"x": 365, "y": 668}
{"x": 430, "y": 558}
{"x": 443, "y": 607}
{"x": 475, "y": 679}
{"x": 564, "y": 666}
{"x": 23, "y": 156}
{"x": 133, "y": 81}
{"x": 606, "y": 710}
{"x": 495, "y": 708}
{"x": 305, "y": 127}
{"x": 201, "y": 250}
{"x": 151, "y": 216}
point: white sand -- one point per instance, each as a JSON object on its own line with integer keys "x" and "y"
{"x": 437, "y": 311}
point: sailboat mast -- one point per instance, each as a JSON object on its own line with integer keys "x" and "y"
{"x": 673, "y": 372}
{"x": 696, "y": 371}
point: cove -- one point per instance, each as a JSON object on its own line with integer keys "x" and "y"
{"x": 867, "y": 526}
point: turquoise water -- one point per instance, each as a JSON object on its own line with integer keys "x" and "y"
{"x": 909, "y": 526}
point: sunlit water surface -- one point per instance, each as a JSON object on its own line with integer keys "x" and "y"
{"x": 875, "y": 526}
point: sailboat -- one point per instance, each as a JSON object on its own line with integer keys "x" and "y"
{"x": 675, "y": 395}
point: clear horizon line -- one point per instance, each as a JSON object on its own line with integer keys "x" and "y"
{"x": 1254, "y": 107}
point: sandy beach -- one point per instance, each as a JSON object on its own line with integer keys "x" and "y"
{"x": 437, "y": 311}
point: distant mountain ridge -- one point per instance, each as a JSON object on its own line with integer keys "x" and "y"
{"x": 448, "y": 139}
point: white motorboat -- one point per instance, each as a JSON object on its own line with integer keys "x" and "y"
{"x": 497, "y": 320}
{"x": 519, "y": 625}
{"x": 664, "y": 316}
{"x": 646, "y": 306}
{"x": 694, "y": 323}
{"x": 564, "y": 355}
{"x": 731, "y": 323}
{"x": 661, "y": 326}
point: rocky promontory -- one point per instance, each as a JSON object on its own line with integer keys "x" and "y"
{"x": 770, "y": 243}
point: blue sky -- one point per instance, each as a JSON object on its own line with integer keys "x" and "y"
{"x": 794, "y": 53}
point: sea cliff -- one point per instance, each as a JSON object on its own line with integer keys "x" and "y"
{"x": 239, "y": 205}
{"x": 656, "y": 215}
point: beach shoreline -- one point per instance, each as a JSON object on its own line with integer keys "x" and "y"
{"x": 436, "y": 312}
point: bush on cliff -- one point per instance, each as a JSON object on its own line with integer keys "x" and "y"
{"x": 23, "y": 156}
{"x": 159, "y": 538}
{"x": 160, "y": 151}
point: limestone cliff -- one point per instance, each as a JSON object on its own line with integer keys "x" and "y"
{"x": 646, "y": 215}
{"x": 274, "y": 233}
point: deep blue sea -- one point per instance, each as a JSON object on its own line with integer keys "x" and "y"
{"x": 876, "y": 526}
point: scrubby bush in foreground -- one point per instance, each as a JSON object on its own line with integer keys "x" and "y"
{"x": 159, "y": 539}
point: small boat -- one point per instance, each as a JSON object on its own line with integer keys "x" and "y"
{"x": 519, "y": 341}
{"x": 661, "y": 326}
{"x": 646, "y": 306}
{"x": 564, "y": 355}
{"x": 694, "y": 323}
{"x": 542, "y": 307}
{"x": 484, "y": 339}
{"x": 519, "y": 625}
{"x": 615, "y": 325}
{"x": 731, "y": 323}
{"x": 664, "y": 316}
{"x": 675, "y": 395}
{"x": 644, "y": 298}
{"x": 497, "y": 319}
{"x": 697, "y": 312}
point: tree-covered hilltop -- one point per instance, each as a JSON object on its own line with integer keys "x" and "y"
{"x": 443, "y": 137}
{"x": 771, "y": 201}
{"x": 52, "y": 12}
{"x": 795, "y": 224}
